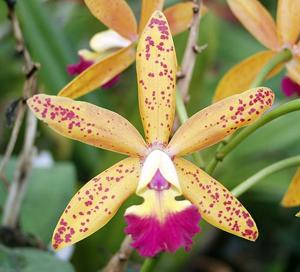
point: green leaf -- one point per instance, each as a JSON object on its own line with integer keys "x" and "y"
{"x": 30, "y": 260}
{"x": 47, "y": 43}
{"x": 49, "y": 191}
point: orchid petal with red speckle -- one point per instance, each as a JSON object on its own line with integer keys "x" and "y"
{"x": 156, "y": 75}
{"x": 216, "y": 204}
{"x": 212, "y": 124}
{"x": 88, "y": 123}
{"x": 116, "y": 15}
{"x": 96, "y": 203}
{"x": 99, "y": 73}
{"x": 148, "y": 7}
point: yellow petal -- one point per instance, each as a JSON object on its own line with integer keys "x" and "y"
{"x": 288, "y": 21}
{"x": 212, "y": 124}
{"x": 99, "y": 73}
{"x": 88, "y": 123}
{"x": 215, "y": 203}
{"x": 293, "y": 68}
{"x": 180, "y": 16}
{"x": 257, "y": 20}
{"x": 298, "y": 214}
{"x": 148, "y": 7}
{"x": 116, "y": 15}
{"x": 292, "y": 196}
{"x": 240, "y": 77}
{"x": 96, "y": 203}
{"x": 156, "y": 75}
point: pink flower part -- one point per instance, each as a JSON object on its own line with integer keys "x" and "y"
{"x": 150, "y": 236}
{"x": 78, "y": 68}
{"x": 111, "y": 83}
{"x": 158, "y": 182}
{"x": 290, "y": 87}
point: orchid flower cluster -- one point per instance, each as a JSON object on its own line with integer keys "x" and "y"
{"x": 155, "y": 168}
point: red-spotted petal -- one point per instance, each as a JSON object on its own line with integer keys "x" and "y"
{"x": 88, "y": 123}
{"x": 156, "y": 74}
{"x": 212, "y": 124}
{"x": 148, "y": 7}
{"x": 96, "y": 203}
{"x": 215, "y": 203}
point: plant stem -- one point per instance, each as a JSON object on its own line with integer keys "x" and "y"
{"x": 273, "y": 168}
{"x": 226, "y": 147}
{"x": 149, "y": 264}
{"x": 183, "y": 116}
{"x": 234, "y": 140}
{"x": 279, "y": 58}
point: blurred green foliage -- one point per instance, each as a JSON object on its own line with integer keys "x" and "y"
{"x": 54, "y": 31}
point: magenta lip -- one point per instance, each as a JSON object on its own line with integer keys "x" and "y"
{"x": 150, "y": 236}
{"x": 289, "y": 87}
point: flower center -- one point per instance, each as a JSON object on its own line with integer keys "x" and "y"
{"x": 158, "y": 173}
{"x": 158, "y": 182}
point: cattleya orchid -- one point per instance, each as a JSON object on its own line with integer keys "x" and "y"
{"x": 155, "y": 169}
{"x": 292, "y": 196}
{"x": 113, "y": 50}
{"x": 276, "y": 37}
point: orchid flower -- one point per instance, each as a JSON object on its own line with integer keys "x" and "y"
{"x": 113, "y": 50}
{"x": 275, "y": 37}
{"x": 292, "y": 196}
{"x": 155, "y": 169}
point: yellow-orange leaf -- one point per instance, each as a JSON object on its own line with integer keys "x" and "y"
{"x": 116, "y": 15}
{"x": 240, "y": 77}
{"x": 88, "y": 123}
{"x": 215, "y": 203}
{"x": 214, "y": 123}
{"x": 99, "y": 73}
{"x": 96, "y": 203}
{"x": 292, "y": 196}
{"x": 156, "y": 75}
{"x": 257, "y": 20}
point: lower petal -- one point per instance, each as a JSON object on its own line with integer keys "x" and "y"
{"x": 215, "y": 203}
{"x": 96, "y": 203}
{"x": 151, "y": 236}
{"x": 162, "y": 223}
